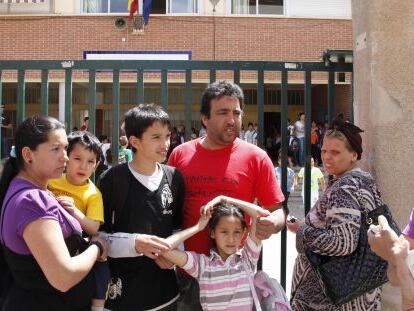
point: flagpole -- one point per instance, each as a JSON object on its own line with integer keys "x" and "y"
{"x": 214, "y": 31}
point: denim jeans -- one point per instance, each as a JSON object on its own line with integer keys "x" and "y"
{"x": 5, "y": 149}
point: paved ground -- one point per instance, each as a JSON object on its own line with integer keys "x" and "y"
{"x": 271, "y": 247}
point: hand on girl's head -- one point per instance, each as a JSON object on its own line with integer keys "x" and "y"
{"x": 203, "y": 221}
{"x": 206, "y": 210}
{"x": 217, "y": 200}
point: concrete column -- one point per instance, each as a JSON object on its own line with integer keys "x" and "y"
{"x": 62, "y": 102}
{"x": 384, "y": 103}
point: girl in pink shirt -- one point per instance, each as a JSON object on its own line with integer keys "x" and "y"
{"x": 222, "y": 276}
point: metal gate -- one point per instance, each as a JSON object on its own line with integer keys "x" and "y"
{"x": 90, "y": 68}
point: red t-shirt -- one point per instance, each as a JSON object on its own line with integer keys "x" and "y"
{"x": 240, "y": 170}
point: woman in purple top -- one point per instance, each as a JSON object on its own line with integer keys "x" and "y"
{"x": 49, "y": 262}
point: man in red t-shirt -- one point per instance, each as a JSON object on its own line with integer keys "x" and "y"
{"x": 222, "y": 164}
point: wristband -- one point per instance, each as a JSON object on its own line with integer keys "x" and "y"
{"x": 99, "y": 245}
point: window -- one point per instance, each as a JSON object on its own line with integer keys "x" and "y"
{"x": 255, "y": 7}
{"x": 105, "y": 6}
{"x": 182, "y": 6}
{"x": 26, "y": 7}
{"x": 158, "y": 6}
{"x": 118, "y": 6}
{"x": 272, "y": 96}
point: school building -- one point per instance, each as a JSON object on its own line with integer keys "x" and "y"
{"x": 221, "y": 30}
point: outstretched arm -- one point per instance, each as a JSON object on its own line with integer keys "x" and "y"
{"x": 179, "y": 257}
{"x": 175, "y": 239}
{"x": 402, "y": 274}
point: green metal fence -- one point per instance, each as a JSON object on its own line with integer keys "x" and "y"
{"x": 164, "y": 67}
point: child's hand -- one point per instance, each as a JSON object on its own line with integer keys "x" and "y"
{"x": 203, "y": 221}
{"x": 208, "y": 208}
{"x": 151, "y": 245}
{"x": 67, "y": 203}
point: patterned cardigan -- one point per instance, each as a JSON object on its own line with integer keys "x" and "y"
{"x": 332, "y": 228}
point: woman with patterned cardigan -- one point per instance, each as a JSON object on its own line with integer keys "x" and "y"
{"x": 333, "y": 224}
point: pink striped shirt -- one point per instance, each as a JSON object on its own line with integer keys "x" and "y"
{"x": 224, "y": 285}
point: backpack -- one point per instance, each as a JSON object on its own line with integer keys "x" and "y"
{"x": 119, "y": 187}
{"x": 6, "y": 279}
{"x": 268, "y": 294}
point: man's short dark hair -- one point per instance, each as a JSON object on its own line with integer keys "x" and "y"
{"x": 141, "y": 117}
{"x": 218, "y": 90}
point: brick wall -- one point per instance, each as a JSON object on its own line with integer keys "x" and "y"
{"x": 236, "y": 38}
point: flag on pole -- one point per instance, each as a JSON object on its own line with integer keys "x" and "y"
{"x": 146, "y": 10}
{"x": 132, "y": 7}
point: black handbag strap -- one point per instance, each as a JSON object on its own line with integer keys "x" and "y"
{"x": 362, "y": 200}
{"x": 371, "y": 216}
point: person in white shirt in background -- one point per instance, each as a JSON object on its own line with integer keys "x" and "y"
{"x": 242, "y": 132}
{"x": 248, "y": 136}
{"x": 255, "y": 134}
{"x": 300, "y": 134}
{"x": 105, "y": 145}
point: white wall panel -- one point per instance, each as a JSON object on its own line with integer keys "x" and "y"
{"x": 319, "y": 8}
